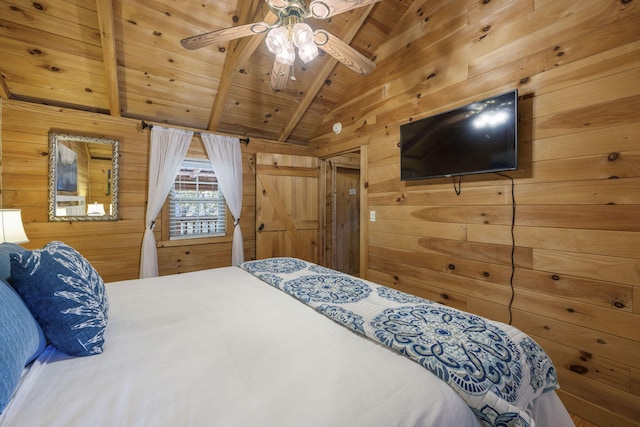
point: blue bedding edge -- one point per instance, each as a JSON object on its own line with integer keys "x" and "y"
{"x": 497, "y": 369}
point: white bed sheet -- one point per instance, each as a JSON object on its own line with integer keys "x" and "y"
{"x": 221, "y": 348}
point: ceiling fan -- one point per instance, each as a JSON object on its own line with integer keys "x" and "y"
{"x": 291, "y": 32}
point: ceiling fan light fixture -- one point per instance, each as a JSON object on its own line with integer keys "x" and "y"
{"x": 279, "y": 43}
{"x": 302, "y": 35}
{"x": 289, "y": 32}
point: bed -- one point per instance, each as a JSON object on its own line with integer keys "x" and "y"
{"x": 276, "y": 342}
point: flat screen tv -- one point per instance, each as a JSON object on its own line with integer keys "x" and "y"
{"x": 477, "y": 138}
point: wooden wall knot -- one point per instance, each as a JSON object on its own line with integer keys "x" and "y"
{"x": 578, "y": 369}
{"x": 451, "y": 266}
{"x": 619, "y": 304}
{"x": 613, "y": 157}
{"x": 585, "y": 356}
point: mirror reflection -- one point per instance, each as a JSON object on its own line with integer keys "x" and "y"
{"x": 83, "y": 178}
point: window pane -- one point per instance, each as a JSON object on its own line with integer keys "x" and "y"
{"x": 197, "y": 206}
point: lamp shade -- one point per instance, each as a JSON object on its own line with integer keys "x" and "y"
{"x": 95, "y": 209}
{"x": 11, "y": 228}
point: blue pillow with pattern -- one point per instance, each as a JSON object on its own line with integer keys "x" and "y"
{"x": 66, "y": 295}
{"x": 7, "y": 249}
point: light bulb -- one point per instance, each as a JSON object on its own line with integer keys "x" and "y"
{"x": 308, "y": 52}
{"x": 278, "y": 43}
{"x": 287, "y": 57}
{"x": 277, "y": 39}
{"x": 303, "y": 39}
{"x": 302, "y": 35}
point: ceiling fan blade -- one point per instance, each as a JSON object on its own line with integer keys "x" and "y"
{"x": 322, "y": 9}
{"x": 280, "y": 75}
{"x": 224, "y": 35}
{"x": 343, "y": 52}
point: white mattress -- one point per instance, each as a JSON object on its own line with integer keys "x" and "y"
{"x": 221, "y": 348}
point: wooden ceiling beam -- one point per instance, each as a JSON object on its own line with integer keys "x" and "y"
{"x": 347, "y": 35}
{"x": 108, "y": 40}
{"x": 239, "y": 52}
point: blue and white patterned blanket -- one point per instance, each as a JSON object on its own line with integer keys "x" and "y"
{"x": 497, "y": 369}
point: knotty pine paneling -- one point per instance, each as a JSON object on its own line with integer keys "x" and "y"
{"x": 113, "y": 247}
{"x": 576, "y": 282}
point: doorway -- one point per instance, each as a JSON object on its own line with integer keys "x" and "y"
{"x": 343, "y": 213}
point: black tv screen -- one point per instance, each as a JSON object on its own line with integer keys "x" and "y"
{"x": 477, "y": 138}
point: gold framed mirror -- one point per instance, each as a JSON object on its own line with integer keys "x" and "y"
{"x": 83, "y": 178}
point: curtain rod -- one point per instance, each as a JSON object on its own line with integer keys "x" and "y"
{"x": 146, "y": 125}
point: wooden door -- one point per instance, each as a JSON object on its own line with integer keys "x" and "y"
{"x": 287, "y": 206}
{"x": 347, "y": 220}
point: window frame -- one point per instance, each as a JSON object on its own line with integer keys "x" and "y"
{"x": 166, "y": 241}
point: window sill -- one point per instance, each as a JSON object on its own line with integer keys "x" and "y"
{"x": 194, "y": 241}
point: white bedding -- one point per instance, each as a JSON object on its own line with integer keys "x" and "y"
{"x": 221, "y": 348}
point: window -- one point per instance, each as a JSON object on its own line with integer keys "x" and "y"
{"x": 196, "y": 203}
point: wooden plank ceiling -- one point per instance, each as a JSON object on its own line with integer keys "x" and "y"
{"x": 123, "y": 58}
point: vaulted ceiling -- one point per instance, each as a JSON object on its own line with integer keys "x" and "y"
{"x": 124, "y": 58}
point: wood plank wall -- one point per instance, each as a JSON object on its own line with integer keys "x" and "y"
{"x": 577, "y": 190}
{"x": 112, "y": 247}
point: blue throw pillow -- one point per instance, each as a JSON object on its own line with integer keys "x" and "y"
{"x": 65, "y": 294}
{"x": 21, "y": 341}
{"x": 7, "y": 249}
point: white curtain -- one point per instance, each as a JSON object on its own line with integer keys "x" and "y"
{"x": 167, "y": 150}
{"x": 226, "y": 159}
